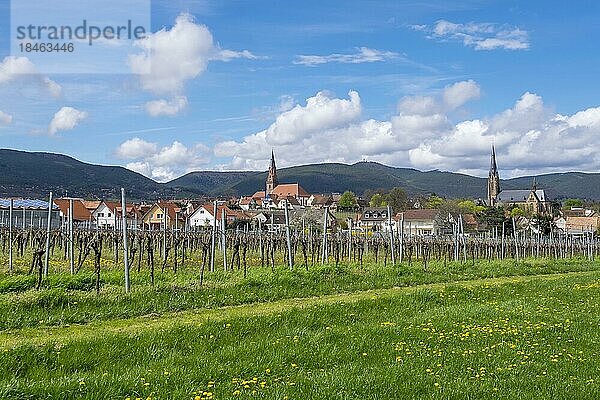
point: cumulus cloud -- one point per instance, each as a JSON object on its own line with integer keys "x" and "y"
{"x": 157, "y": 108}
{"x": 480, "y": 36}
{"x": 326, "y": 128}
{"x": 5, "y": 119}
{"x": 450, "y": 98}
{"x": 529, "y": 136}
{"x": 320, "y": 113}
{"x": 66, "y": 119}
{"x": 171, "y": 57}
{"x": 363, "y": 55}
{"x": 460, "y": 93}
{"x": 162, "y": 163}
{"x": 135, "y": 148}
{"x": 21, "y": 68}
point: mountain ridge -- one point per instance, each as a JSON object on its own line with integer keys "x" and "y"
{"x": 34, "y": 174}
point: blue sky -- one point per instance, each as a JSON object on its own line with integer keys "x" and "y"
{"x": 436, "y": 85}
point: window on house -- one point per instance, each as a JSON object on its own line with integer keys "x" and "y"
{"x": 100, "y": 215}
{"x": 159, "y": 216}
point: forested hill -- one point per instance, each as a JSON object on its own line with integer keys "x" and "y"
{"x": 35, "y": 174}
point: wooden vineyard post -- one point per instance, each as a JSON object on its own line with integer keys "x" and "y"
{"x": 260, "y": 244}
{"x": 164, "y": 244}
{"x": 224, "y": 238}
{"x": 463, "y": 238}
{"x": 287, "y": 234}
{"x": 393, "y": 253}
{"x": 71, "y": 254}
{"x": 503, "y": 238}
{"x": 10, "y": 236}
{"x": 48, "y": 228}
{"x": 125, "y": 246}
{"x": 214, "y": 233}
{"x": 349, "y": 240}
{"x": 324, "y": 256}
{"x": 515, "y": 238}
{"x": 115, "y": 248}
{"x": 401, "y": 237}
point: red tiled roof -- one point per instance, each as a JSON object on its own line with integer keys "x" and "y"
{"x": 80, "y": 212}
{"x": 583, "y": 222}
{"x": 246, "y": 200}
{"x": 91, "y": 204}
{"x": 290, "y": 189}
{"x": 130, "y": 209}
{"x": 228, "y": 211}
{"x": 171, "y": 209}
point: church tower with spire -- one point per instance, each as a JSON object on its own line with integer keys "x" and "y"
{"x": 272, "y": 181}
{"x": 493, "y": 180}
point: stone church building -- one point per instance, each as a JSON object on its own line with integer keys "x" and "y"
{"x": 534, "y": 200}
{"x": 293, "y": 193}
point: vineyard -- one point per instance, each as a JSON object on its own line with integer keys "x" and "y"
{"x": 205, "y": 251}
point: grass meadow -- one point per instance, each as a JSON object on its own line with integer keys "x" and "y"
{"x": 499, "y": 329}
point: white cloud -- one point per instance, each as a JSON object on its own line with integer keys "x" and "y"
{"x": 321, "y": 112}
{"x": 228, "y": 55}
{"x": 321, "y": 128}
{"x": 135, "y": 148}
{"x": 326, "y": 128}
{"x": 54, "y": 88}
{"x": 15, "y": 68}
{"x": 589, "y": 118}
{"x": 480, "y": 36}
{"x": 65, "y": 119}
{"x": 460, "y": 93}
{"x": 172, "y": 57}
{"x": 450, "y": 98}
{"x": 529, "y": 136}
{"x": 364, "y": 55}
{"x": 162, "y": 163}
{"x": 163, "y": 107}
{"x": 140, "y": 167}
{"x": 5, "y": 119}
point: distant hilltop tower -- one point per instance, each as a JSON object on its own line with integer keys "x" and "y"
{"x": 272, "y": 181}
{"x": 493, "y": 181}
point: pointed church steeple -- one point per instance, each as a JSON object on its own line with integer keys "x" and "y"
{"x": 493, "y": 180}
{"x": 272, "y": 181}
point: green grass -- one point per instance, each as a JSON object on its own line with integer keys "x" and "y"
{"x": 68, "y": 299}
{"x": 522, "y": 337}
